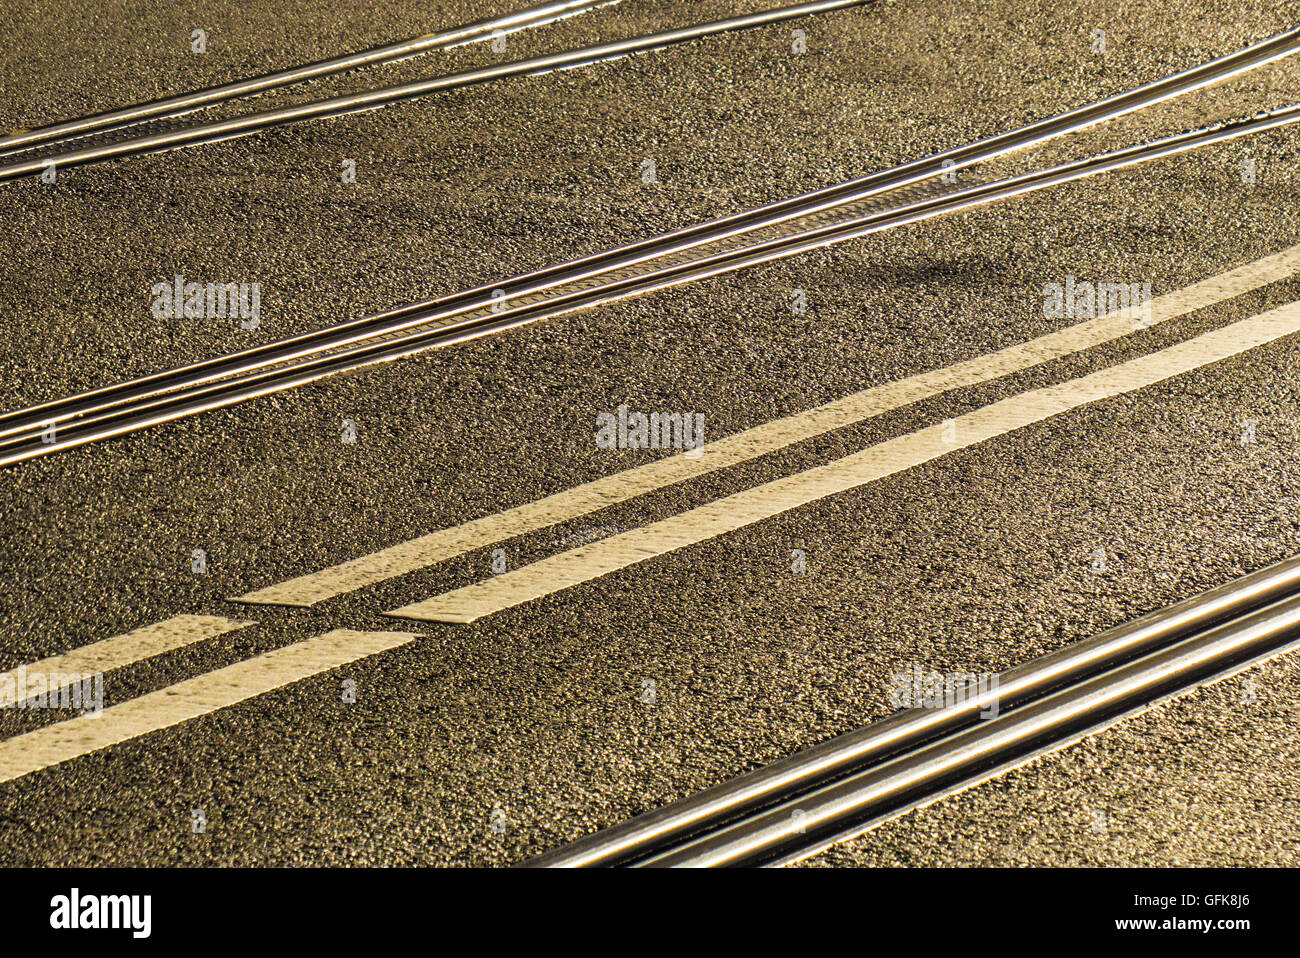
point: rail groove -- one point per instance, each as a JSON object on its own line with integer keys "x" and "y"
{"x": 906, "y": 194}
{"x": 837, "y": 790}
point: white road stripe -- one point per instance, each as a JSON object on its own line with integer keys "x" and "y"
{"x": 895, "y": 455}
{"x": 61, "y": 670}
{"x": 189, "y": 699}
{"x": 760, "y": 440}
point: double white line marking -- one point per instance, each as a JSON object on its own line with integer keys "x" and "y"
{"x": 214, "y": 690}
{"x": 895, "y": 455}
{"x": 464, "y": 605}
{"x": 121, "y": 650}
{"x": 189, "y": 699}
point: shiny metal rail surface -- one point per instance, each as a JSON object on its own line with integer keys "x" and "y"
{"x": 675, "y": 824}
{"x": 845, "y": 809}
{"x": 185, "y": 103}
{"x": 373, "y": 99}
{"x": 31, "y": 442}
{"x": 666, "y": 245}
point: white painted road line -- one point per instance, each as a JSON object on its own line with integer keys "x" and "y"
{"x": 189, "y": 699}
{"x": 895, "y": 455}
{"x": 59, "y": 671}
{"x": 760, "y": 440}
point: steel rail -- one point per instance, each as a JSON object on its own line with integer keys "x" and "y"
{"x": 182, "y": 104}
{"x": 194, "y": 400}
{"x": 837, "y": 812}
{"x": 711, "y": 809}
{"x": 373, "y": 99}
{"x": 672, "y": 243}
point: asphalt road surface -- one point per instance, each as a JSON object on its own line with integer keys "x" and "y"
{"x": 489, "y": 742}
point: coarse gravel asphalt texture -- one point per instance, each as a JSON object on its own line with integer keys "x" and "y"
{"x": 973, "y": 562}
